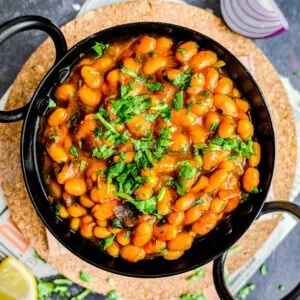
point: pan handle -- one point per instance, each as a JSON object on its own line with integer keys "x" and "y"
{"x": 24, "y": 23}
{"x": 218, "y": 267}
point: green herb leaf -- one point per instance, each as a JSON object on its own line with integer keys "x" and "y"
{"x": 164, "y": 110}
{"x": 199, "y": 201}
{"x": 179, "y": 187}
{"x": 145, "y": 206}
{"x": 161, "y": 194}
{"x": 84, "y": 276}
{"x": 245, "y": 197}
{"x": 112, "y": 295}
{"x": 297, "y": 73}
{"x": 62, "y": 281}
{"x": 189, "y": 108}
{"x": 154, "y": 87}
{"x": 97, "y": 132}
{"x": 100, "y": 117}
{"x": 62, "y": 291}
{"x": 100, "y": 49}
{"x": 183, "y": 80}
{"x": 105, "y": 243}
{"x": 103, "y": 152}
{"x": 263, "y": 270}
{"x": 57, "y": 208}
{"x": 178, "y": 101}
{"x": 245, "y": 291}
{"x": 37, "y": 256}
{"x": 81, "y": 295}
{"x": 199, "y": 101}
{"x": 206, "y": 95}
{"x": 187, "y": 171}
{"x": 128, "y": 234}
{"x": 130, "y": 73}
{"x": 162, "y": 251}
{"x": 198, "y": 273}
{"x": 192, "y": 296}
{"x": 73, "y": 151}
{"x": 256, "y": 191}
{"x": 281, "y": 287}
{"x": 45, "y": 289}
{"x": 214, "y": 126}
{"x": 51, "y": 104}
{"x": 182, "y": 51}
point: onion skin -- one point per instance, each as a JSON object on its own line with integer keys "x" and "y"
{"x": 251, "y": 19}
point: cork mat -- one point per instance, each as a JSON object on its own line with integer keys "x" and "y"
{"x": 41, "y": 60}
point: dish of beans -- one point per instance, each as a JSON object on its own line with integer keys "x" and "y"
{"x": 148, "y": 146}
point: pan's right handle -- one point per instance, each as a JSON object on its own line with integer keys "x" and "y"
{"x": 219, "y": 263}
{"x": 24, "y": 23}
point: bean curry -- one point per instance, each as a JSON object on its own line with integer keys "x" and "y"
{"x": 148, "y": 145}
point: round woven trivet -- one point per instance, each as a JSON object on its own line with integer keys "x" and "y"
{"x": 33, "y": 71}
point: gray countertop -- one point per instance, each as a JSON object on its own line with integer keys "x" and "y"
{"x": 283, "y": 51}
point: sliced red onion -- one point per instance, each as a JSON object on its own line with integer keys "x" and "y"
{"x": 254, "y": 18}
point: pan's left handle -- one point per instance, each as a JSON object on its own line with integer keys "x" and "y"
{"x": 24, "y": 23}
{"x": 218, "y": 267}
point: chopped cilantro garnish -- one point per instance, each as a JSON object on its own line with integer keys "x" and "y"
{"x": 57, "y": 208}
{"x": 256, "y": 191}
{"x": 245, "y": 291}
{"x": 198, "y": 201}
{"x": 192, "y": 296}
{"x": 145, "y": 206}
{"x": 130, "y": 73}
{"x": 112, "y": 295}
{"x": 100, "y": 49}
{"x": 103, "y": 152}
{"x": 236, "y": 145}
{"x": 206, "y": 94}
{"x": 73, "y": 151}
{"x": 182, "y": 51}
{"x": 161, "y": 194}
{"x": 281, "y": 287}
{"x": 245, "y": 197}
{"x": 97, "y": 132}
{"x": 214, "y": 126}
{"x": 162, "y": 143}
{"x": 164, "y": 110}
{"x": 84, "y": 276}
{"x": 199, "y": 273}
{"x": 199, "y": 101}
{"x": 187, "y": 171}
{"x": 189, "y": 108}
{"x": 263, "y": 270}
{"x": 182, "y": 80}
{"x": 297, "y": 73}
{"x": 115, "y": 170}
{"x": 100, "y": 116}
{"x": 178, "y": 101}
{"x": 105, "y": 243}
{"x": 128, "y": 234}
{"x": 51, "y": 104}
{"x": 81, "y": 295}
{"x": 179, "y": 187}
{"x": 154, "y": 87}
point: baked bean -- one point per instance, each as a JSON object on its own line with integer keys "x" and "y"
{"x": 104, "y": 192}
{"x": 201, "y": 184}
{"x": 232, "y": 204}
{"x": 242, "y": 105}
{"x": 179, "y": 142}
{"x": 165, "y": 232}
{"x": 63, "y": 212}
{"x": 154, "y": 246}
{"x": 166, "y": 165}
{"x": 65, "y": 92}
{"x": 86, "y": 230}
{"x": 192, "y": 215}
{"x": 209, "y": 160}
{"x": 132, "y": 253}
{"x": 143, "y": 193}
{"x": 217, "y": 205}
{"x": 55, "y": 189}
{"x": 211, "y": 79}
{"x": 74, "y": 224}
{"x": 76, "y": 210}
{"x": 113, "y": 77}
{"x": 175, "y": 218}
{"x": 245, "y": 129}
{"x": 211, "y": 119}
{"x": 172, "y": 255}
{"x": 85, "y": 201}
{"x": 142, "y": 234}
{"x": 91, "y": 77}
{"x": 145, "y": 44}
{"x": 129, "y": 156}
{"x": 198, "y": 134}
{"x": 123, "y": 238}
{"x": 224, "y": 86}
{"x": 58, "y": 153}
{"x": 88, "y": 96}
{"x": 250, "y": 179}
{"x": 151, "y": 176}
{"x": 183, "y": 118}
{"x": 154, "y": 64}
{"x": 236, "y": 93}
{"x": 203, "y": 59}
{"x": 225, "y": 130}
{"x": 101, "y": 232}
{"x": 105, "y": 210}
{"x": 186, "y": 51}
{"x": 113, "y": 249}
{"x": 75, "y": 186}
{"x": 254, "y": 159}
{"x": 205, "y": 224}
{"x": 138, "y": 126}
{"x": 227, "y": 165}
{"x": 185, "y": 202}
{"x": 104, "y": 63}
{"x": 57, "y": 117}
{"x": 87, "y": 219}
{"x": 226, "y": 104}
{"x": 216, "y": 180}
{"x": 163, "y": 45}
{"x": 183, "y": 241}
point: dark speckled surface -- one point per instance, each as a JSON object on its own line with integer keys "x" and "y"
{"x": 283, "y": 51}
